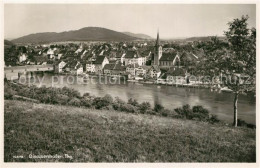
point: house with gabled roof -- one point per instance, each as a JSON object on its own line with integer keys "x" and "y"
{"x": 50, "y": 53}
{"x": 99, "y": 63}
{"x": 119, "y": 69}
{"x": 58, "y": 66}
{"x": 169, "y": 60}
{"x": 133, "y": 57}
{"x": 78, "y": 69}
{"x": 153, "y": 72}
{"x": 108, "y": 68}
{"x": 74, "y": 67}
{"x": 120, "y": 56}
{"x": 131, "y": 68}
{"x": 142, "y": 70}
{"x": 176, "y": 75}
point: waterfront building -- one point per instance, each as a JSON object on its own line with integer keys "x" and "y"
{"x": 78, "y": 69}
{"x": 176, "y": 75}
{"x": 100, "y": 62}
{"x": 141, "y": 71}
{"x": 58, "y": 67}
{"x": 119, "y": 69}
{"x": 74, "y": 67}
{"x": 131, "y": 68}
{"x": 90, "y": 67}
{"x": 108, "y": 68}
{"x": 153, "y": 72}
{"x": 133, "y": 57}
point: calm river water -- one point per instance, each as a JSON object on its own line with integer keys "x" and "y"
{"x": 218, "y": 103}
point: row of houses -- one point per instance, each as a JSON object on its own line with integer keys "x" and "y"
{"x": 116, "y": 68}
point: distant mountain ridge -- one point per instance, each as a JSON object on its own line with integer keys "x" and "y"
{"x": 138, "y": 35}
{"x": 94, "y": 34}
{"x": 199, "y": 38}
{"x": 8, "y": 43}
{"x": 206, "y": 38}
{"x": 84, "y": 34}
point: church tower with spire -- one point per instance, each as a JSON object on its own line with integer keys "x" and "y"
{"x": 157, "y": 50}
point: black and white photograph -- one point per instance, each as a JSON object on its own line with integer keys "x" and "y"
{"x": 129, "y": 82}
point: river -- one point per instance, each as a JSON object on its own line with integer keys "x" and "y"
{"x": 171, "y": 97}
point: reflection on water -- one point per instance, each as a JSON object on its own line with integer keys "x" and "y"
{"x": 220, "y": 104}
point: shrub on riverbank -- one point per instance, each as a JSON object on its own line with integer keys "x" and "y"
{"x": 196, "y": 113}
{"x": 69, "y": 96}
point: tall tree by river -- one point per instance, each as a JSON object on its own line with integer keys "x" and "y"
{"x": 235, "y": 60}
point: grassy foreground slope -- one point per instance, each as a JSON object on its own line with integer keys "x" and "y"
{"x": 108, "y": 136}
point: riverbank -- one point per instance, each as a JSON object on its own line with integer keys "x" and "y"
{"x": 90, "y": 135}
{"x": 70, "y": 96}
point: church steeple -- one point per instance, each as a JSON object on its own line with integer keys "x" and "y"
{"x": 158, "y": 39}
{"x": 157, "y": 50}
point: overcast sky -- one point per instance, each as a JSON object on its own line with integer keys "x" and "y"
{"x": 172, "y": 20}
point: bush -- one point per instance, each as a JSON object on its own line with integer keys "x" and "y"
{"x": 108, "y": 99}
{"x": 133, "y": 102}
{"x": 184, "y": 112}
{"x": 213, "y": 119}
{"x": 200, "y": 113}
{"x": 158, "y": 107}
{"x": 165, "y": 112}
{"x": 242, "y": 123}
{"x": 119, "y": 101}
{"x": 61, "y": 99}
{"x": 86, "y": 102}
{"x": 70, "y": 92}
{"x": 109, "y": 107}
{"x": 99, "y": 102}
{"x": 168, "y": 113}
{"x": 128, "y": 108}
{"x": 75, "y": 102}
{"x": 144, "y": 107}
{"x": 45, "y": 98}
{"x": 197, "y": 112}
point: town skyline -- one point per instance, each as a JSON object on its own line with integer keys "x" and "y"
{"x": 146, "y": 19}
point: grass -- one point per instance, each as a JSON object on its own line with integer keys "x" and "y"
{"x": 107, "y": 136}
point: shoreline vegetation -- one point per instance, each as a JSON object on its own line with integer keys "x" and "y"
{"x": 38, "y": 132}
{"x": 71, "y": 97}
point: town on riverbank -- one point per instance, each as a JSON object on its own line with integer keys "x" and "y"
{"x": 182, "y": 88}
{"x": 152, "y": 62}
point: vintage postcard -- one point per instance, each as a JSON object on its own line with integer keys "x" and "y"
{"x": 129, "y": 82}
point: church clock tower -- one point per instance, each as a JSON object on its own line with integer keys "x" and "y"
{"x": 157, "y": 51}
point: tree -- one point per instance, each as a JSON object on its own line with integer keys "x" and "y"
{"x": 242, "y": 58}
{"x": 236, "y": 62}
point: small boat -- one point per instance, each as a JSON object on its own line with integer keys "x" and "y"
{"x": 226, "y": 89}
